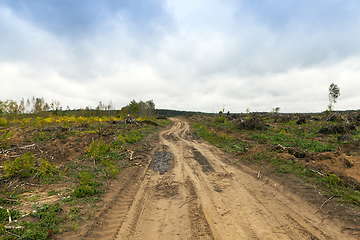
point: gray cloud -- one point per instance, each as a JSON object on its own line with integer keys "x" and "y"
{"x": 183, "y": 54}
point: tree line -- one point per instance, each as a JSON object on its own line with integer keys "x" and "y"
{"x": 40, "y": 106}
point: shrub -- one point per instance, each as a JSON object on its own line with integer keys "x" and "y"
{"x": 221, "y": 119}
{"x": 112, "y": 169}
{"x": 20, "y": 166}
{"x": 86, "y": 190}
{"x": 4, "y": 138}
{"x": 45, "y": 168}
{"x": 3, "y": 122}
{"x": 83, "y": 191}
{"x": 333, "y": 179}
{"x": 96, "y": 149}
{"x": 85, "y": 178}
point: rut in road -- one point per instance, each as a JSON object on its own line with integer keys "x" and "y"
{"x": 200, "y": 196}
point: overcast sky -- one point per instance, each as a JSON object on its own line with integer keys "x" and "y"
{"x": 184, "y": 54}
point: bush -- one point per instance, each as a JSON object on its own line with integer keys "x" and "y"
{"x": 85, "y": 191}
{"x": 3, "y": 122}
{"x": 221, "y": 119}
{"x": 96, "y": 149}
{"x": 333, "y": 179}
{"x": 20, "y": 166}
{"x": 45, "y": 168}
{"x": 85, "y": 178}
{"x": 112, "y": 169}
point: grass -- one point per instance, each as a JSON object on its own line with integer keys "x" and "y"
{"x": 109, "y": 156}
{"x": 291, "y": 140}
{"x": 304, "y": 137}
{"x": 228, "y": 144}
{"x": 45, "y": 223}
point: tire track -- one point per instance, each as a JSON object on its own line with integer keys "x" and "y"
{"x": 202, "y": 197}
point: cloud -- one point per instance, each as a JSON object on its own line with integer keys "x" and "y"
{"x": 182, "y": 54}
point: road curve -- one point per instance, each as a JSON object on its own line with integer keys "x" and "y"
{"x": 202, "y": 197}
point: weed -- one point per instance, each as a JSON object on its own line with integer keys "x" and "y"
{"x": 3, "y": 121}
{"x": 53, "y": 192}
{"x": 48, "y": 222}
{"x": 333, "y": 179}
{"x": 5, "y": 138}
{"x": 221, "y": 119}
{"x": 85, "y": 190}
{"x": 96, "y": 150}
{"x": 34, "y": 198}
{"x": 73, "y": 214}
{"x": 46, "y": 169}
{"x": 85, "y": 178}
{"x": 112, "y": 169}
{"x": 20, "y": 166}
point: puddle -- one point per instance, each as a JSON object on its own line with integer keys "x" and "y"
{"x": 161, "y": 162}
{"x": 206, "y": 167}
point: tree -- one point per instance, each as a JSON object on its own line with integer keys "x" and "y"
{"x": 275, "y": 110}
{"x": 134, "y": 107}
{"x": 150, "y": 105}
{"x": 334, "y": 93}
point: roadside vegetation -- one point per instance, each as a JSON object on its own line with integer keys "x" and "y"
{"x": 318, "y": 148}
{"x": 56, "y": 166}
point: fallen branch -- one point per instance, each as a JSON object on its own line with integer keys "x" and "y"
{"x": 318, "y": 172}
{"x": 104, "y": 174}
{"x": 13, "y": 234}
{"x": 225, "y": 212}
{"x": 324, "y": 203}
{"x": 12, "y": 183}
{"x": 14, "y": 227}
{"x": 27, "y": 146}
{"x": 258, "y": 175}
{"x": 131, "y": 155}
{"x": 10, "y": 221}
{"x": 9, "y": 201}
{"x": 188, "y": 201}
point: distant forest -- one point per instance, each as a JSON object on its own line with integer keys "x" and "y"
{"x": 174, "y": 113}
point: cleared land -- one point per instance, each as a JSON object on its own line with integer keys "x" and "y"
{"x": 174, "y": 185}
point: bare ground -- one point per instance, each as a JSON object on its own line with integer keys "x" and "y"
{"x": 204, "y": 195}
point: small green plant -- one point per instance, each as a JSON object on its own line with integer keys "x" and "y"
{"x": 333, "y": 179}
{"x": 221, "y": 119}
{"x": 129, "y": 138}
{"x": 53, "y": 192}
{"x": 5, "y": 137}
{"x": 73, "y": 214}
{"x": 112, "y": 170}
{"x": 3, "y": 122}
{"x": 20, "y": 166}
{"x": 96, "y": 150}
{"x": 87, "y": 187}
{"x": 45, "y": 169}
{"x": 85, "y": 178}
{"x": 84, "y": 191}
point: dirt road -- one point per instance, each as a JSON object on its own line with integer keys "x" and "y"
{"x": 201, "y": 196}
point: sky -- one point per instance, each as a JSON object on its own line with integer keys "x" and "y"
{"x": 198, "y": 55}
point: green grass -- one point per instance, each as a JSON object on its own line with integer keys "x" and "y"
{"x": 46, "y": 221}
{"x": 329, "y": 184}
{"x": 228, "y": 144}
{"x": 290, "y": 134}
{"x": 289, "y": 140}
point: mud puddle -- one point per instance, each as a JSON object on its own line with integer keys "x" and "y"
{"x": 206, "y": 167}
{"x": 161, "y": 161}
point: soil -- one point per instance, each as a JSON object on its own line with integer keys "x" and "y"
{"x": 181, "y": 187}
{"x": 205, "y": 194}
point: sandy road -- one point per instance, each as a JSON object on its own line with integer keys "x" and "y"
{"x": 202, "y": 197}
